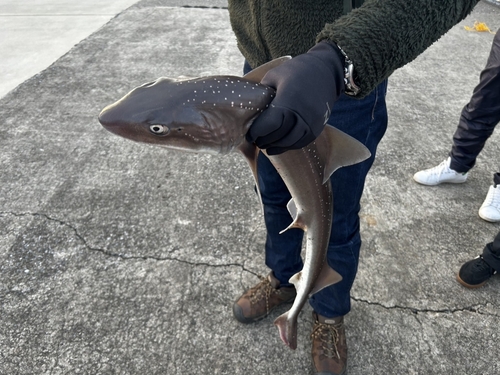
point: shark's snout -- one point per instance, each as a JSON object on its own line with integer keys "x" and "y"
{"x": 109, "y": 117}
{"x": 120, "y": 119}
{"x": 116, "y": 121}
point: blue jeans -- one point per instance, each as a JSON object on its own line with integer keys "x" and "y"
{"x": 365, "y": 120}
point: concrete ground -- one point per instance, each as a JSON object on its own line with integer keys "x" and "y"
{"x": 120, "y": 258}
{"x": 35, "y": 34}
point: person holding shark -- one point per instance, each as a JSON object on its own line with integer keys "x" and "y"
{"x": 343, "y": 52}
{"x": 341, "y": 58}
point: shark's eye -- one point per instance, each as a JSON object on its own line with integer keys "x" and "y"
{"x": 159, "y": 129}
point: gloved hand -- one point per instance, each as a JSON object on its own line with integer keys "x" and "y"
{"x": 306, "y": 87}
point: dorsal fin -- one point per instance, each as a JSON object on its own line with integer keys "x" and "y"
{"x": 258, "y": 73}
{"x": 339, "y": 150}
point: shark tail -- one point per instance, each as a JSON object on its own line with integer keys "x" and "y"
{"x": 287, "y": 327}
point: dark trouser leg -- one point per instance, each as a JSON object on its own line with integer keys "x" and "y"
{"x": 480, "y": 116}
{"x": 496, "y": 179}
{"x": 365, "y": 120}
{"x": 491, "y": 253}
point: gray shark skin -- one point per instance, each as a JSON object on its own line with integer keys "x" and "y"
{"x": 213, "y": 114}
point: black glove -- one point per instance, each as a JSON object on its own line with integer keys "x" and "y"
{"x": 306, "y": 87}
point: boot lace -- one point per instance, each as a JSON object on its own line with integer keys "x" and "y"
{"x": 262, "y": 290}
{"x": 328, "y": 336}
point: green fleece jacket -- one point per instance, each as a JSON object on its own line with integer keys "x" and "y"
{"x": 379, "y": 37}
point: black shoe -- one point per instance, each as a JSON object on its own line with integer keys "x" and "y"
{"x": 475, "y": 273}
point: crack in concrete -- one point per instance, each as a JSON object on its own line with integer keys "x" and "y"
{"x": 118, "y": 255}
{"x": 416, "y": 311}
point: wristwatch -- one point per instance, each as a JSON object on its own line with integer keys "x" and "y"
{"x": 351, "y": 88}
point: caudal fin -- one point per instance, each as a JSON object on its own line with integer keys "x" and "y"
{"x": 288, "y": 330}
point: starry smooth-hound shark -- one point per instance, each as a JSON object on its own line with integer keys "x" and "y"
{"x": 212, "y": 114}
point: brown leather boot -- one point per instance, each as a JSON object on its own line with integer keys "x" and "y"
{"x": 329, "y": 346}
{"x": 257, "y": 302}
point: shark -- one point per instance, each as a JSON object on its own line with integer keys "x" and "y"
{"x": 212, "y": 114}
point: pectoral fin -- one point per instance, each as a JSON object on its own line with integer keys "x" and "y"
{"x": 251, "y": 153}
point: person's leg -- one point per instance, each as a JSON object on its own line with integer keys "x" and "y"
{"x": 475, "y": 272}
{"x": 496, "y": 179}
{"x": 491, "y": 253}
{"x": 365, "y": 120}
{"x": 477, "y": 122}
{"x": 282, "y": 250}
{"x": 480, "y": 116}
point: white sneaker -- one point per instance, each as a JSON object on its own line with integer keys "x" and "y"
{"x": 439, "y": 174}
{"x": 490, "y": 210}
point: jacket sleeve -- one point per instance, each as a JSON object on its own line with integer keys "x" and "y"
{"x": 383, "y": 35}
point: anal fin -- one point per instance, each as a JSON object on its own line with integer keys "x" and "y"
{"x": 295, "y": 279}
